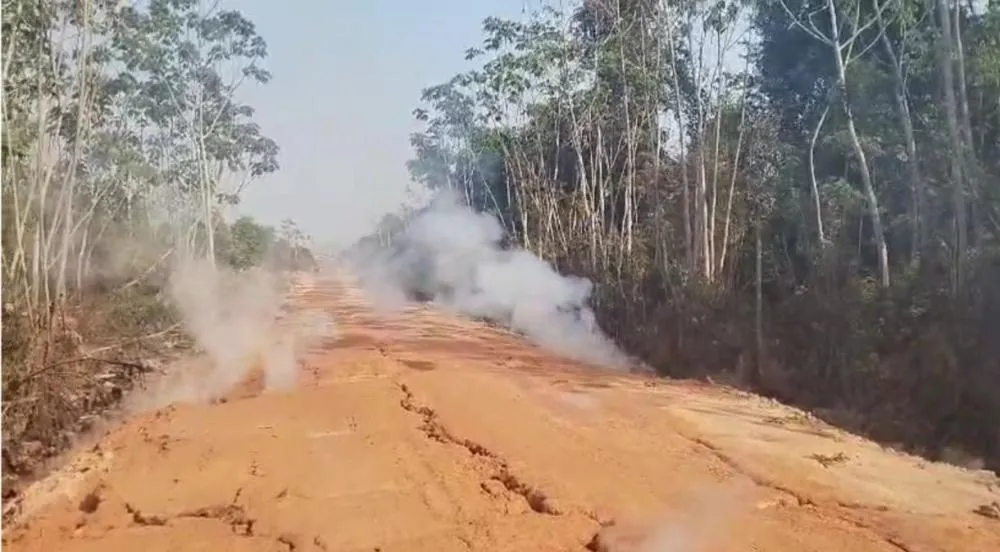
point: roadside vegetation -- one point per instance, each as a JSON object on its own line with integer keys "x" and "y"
{"x": 123, "y": 144}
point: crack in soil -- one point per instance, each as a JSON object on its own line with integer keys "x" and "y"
{"x": 139, "y": 518}
{"x": 536, "y": 499}
{"x": 233, "y": 515}
{"x": 289, "y": 541}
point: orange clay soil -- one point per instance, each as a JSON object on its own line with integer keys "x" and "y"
{"x": 416, "y": 432}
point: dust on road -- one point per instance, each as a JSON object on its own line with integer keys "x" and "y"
{"x": 417, "y": 432}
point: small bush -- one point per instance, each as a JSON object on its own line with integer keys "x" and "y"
{"x": 53, "y": 388}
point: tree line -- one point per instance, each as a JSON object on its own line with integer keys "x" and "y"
{"x": 122, "y": 129}
{"x": 124, "y": 141}
{"x": 805, "y": 193}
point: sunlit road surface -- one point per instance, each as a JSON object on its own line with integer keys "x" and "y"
{"x": 415, "y": 431}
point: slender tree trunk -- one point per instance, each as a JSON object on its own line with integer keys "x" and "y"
{"x": 946, "y": 57}
{"x": 971, "y": 163}
{"x": 909, "y": 139}
{"x": 913, "y": 162}
{"x": 878, "y": 230}
{"x": 734, "y": 172}
{"x": 685, "y": 179}
{"x": 81, "y": 260}
{"x": 82, "y": 123}
{"x": 758, "y": 301}
{"x": 817, "y": 204}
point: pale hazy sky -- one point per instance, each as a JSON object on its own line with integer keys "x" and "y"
{"x": 347, "y": 76}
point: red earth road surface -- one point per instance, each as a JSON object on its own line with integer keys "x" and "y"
{"x": 416, "y": 431}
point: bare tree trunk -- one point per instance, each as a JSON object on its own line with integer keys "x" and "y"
{"x": 817, "y": 204}
{"x": 81, "y": 260}
{"x": 906, "y": 124}
{"x": 965, "y": 121}
{"x": 82, "y": 123}
{"x": 878, "y": 230}
{"x": 734, "y": 171}
{"x": 685, "y": 180}
{"x": 712, "y": 210}
{"x": 701, "y": 218}
{"x": 946, "y": 57}
{"x": 758, "y": 301}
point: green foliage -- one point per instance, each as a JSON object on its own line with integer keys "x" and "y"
{"x": 250, "y": 243}
{"x": 179, "y": 69}
{"x": 132, "y": 121}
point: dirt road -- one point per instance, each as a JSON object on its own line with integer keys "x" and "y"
{"x": 416, "y": 432}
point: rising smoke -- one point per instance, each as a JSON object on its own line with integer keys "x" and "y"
{"x": 452, "y": 255}
{"x": 236, "y": 318}
{"x": 705, "y": 518}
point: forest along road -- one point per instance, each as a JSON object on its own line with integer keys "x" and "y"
{"x": 420, "y": 432}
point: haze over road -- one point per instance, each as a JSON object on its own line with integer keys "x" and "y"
{"x": 419, "y": 432}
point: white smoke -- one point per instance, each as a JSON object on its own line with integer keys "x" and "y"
{"x": 453, "y": 255}
{"x": 236, "y": 321}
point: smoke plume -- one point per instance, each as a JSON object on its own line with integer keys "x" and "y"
{"x": 453, "y": 256}
{"x": 236, "y": 320}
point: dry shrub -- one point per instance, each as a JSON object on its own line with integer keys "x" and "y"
{"x": 917, "y": 367}
{"x": 40, "y": 390}
{"x": 60, "y": 376}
